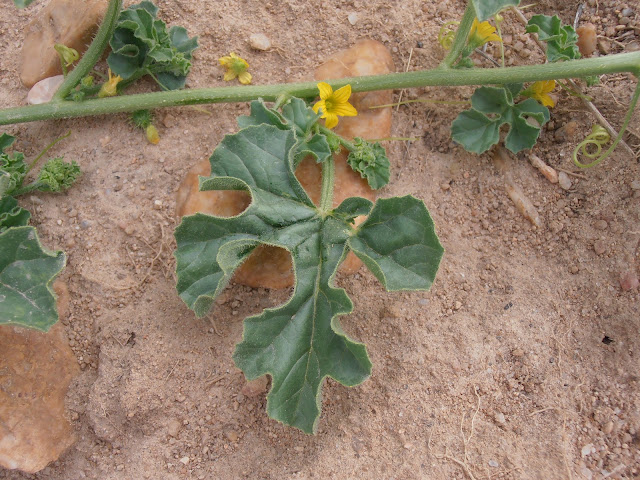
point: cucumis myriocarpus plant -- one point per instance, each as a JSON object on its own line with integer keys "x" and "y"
{"x": 301, "y": 342}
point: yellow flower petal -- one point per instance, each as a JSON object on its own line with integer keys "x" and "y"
{"x": 224, "y": 61}
{"x": 325, "y": 90}
{"x": 229, "y": 75}
{"x": 345, "y": 110}
{"x": 342, "y": 94}
{"x": 245, "y": 78}
{"x": 332, "y": 120}
{"x": 320, "y": 106}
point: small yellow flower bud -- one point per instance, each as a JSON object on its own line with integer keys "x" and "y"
{"x": 110, "y": 87}
{"x": 152, "y": 134}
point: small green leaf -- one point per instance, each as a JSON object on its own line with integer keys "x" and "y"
{"x": 370, "y": 161}
{"x": 26, "y": 274}
{"x": 301, "y": 342}
{"x": 12, "y": 167}
{"x": 485, "y": 9}
{"x": 561, "y": 39}
{"x": 11, "y": 214}
{"x": 478, "y": 128}
{"x": 142, "y": 45}
{"x": 57, "y": 175}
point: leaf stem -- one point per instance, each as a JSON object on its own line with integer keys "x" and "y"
{"x": 46, "y": 149}
{"x": 460, "y": 39}
{"x": 93, "y": 53}
{"x": 623, "y": 62}
{"x": 326, "y": 196}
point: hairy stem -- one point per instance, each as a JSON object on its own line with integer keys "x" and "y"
{"x": 623, "y": 62}
{"x": 460, "y": 39}
{"x": 326, "y": 197}
{"x": 93, "y": 53}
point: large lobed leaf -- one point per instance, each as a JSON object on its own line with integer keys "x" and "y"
{"x": 301, "y": 342}
{"x": 26, "y": 273}
{"x": 478, "y": 128}
{"x": 561, "y": 39}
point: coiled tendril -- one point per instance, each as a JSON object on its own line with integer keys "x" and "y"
{"x": 447, "y": 33}
{"x": 598, "y": 137}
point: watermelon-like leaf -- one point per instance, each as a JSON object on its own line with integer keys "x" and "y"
{"x": 301, "y": 342}
{"x": 26, "y": 273}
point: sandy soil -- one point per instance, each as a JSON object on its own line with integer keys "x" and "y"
{"x": 521, "y": 363}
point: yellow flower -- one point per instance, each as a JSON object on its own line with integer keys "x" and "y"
{"x": 481, "y": 33}
{"x": 236, "y": 67}
{"x": 110, "y": 87}
{"x": 333, "y": 104}
{"x": 540, "y": 91}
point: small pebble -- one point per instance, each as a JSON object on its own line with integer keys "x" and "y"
{"x": 599, "y": 247}
{"x": 232, "y": 436}
{"x": 493, "y": 463}
{"x": 587, "y": 39}
{"x": 588, "y": 449}
{"x": 564, "y": 181}
{"x": 635, "y": 185}
{"x": 157, "y": 204}
{"x": 184, "y": 460}
{"x": 43, "y": 91}
{"x": 499, "y": 417}
{"x": 573, "y": 269}
{"x": 626, "y": 12}
{"x": 518, "y": 352}
{"x": 259, "y": 41}
{"x": 608, "y": 428}
{"x": 601, "y": 225}
{"x": 629, "y": 281}
{"x": 180, "y": 398}
{"x": 173, "y": 427}
{"x": 353, "y": 18}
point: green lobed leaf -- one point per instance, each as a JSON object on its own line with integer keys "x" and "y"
{"x": 11, "y": 214}
{"x": 301, "y": 342}
{"x": 485, "y": 9}
{"x": 561, "y": 39}
{"x": 57, "y": 175}
{"x": 142, "y": 45}
{"x": 297, "y": 116}
{"x": 478, "y": 128}
{"x": 26, "y": 273}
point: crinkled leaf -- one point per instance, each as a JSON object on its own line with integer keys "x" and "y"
{"x": 370, "y": 161}
{"x": 12, "y": 167}
{"x": 301, "y": 342}
{"x": 57, "y": 175}
{"x": 478, "y": 128}
{"x": 561, "y": 39}
{"x": 11, "y": 214}
{"x": 26, "y": 273}
{"x": 142, "y": 45}
{"x": 485, "y": 9}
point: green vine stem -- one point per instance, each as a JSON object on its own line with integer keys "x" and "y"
{"x": 625, "y": 124}
{"x": 460, "y": 40}
{"x": 93, "y": 53}
{"x": 623, "y": 62}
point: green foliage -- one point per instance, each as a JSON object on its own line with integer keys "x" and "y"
{"x": 22, "y": 3}
{"x": 485, "y": 9}
{"x": 58, "y": 175}
{"x": 370, "y": 161}
{"x": 12, "y": 167}
{"x": 141, "y": 45}
{"x": 301, "y": 342}
{"x": 478, "y": 128}
{"x": 561, "y": 39}
{"x": 296, "y": 116}
{"x": 11, "y": 214}
{"x": 142, "y": 118}
{"x": 26, "y": 273}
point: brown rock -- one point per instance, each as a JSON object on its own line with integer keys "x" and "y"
{"x": 35, "y": 371}
{"x": 271, "y": 266}
{"x": 587, "y": 39}
{"x": 69, "y": 22}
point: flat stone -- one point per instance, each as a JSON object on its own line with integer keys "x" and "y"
{"x": 35, "y": 371}
{"x": 259, "y": 41}
{"x": 43, "y": 91}
{"x": 72, "y": 23}
{"x": 271, "y": 267}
